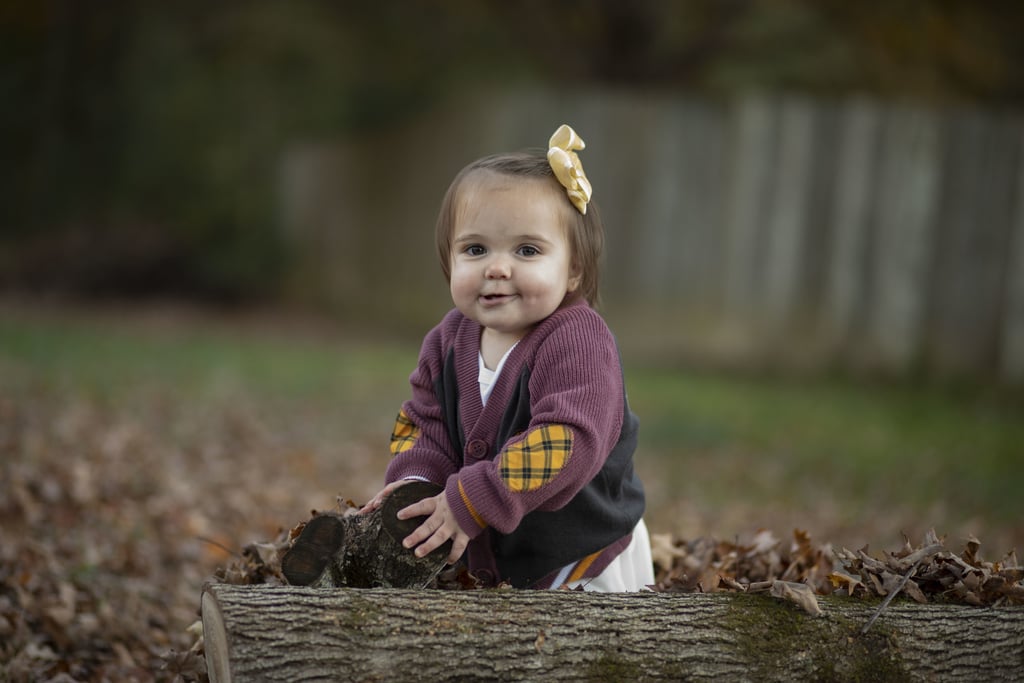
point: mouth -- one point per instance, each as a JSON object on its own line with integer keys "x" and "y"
{"x": 493, "y": 299}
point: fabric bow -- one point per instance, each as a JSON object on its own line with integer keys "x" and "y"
{"x": 566, "y": 164}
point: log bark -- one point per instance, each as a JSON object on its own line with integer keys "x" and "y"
{"x": 365, "y": 550}
{"x": 299, "y": 634}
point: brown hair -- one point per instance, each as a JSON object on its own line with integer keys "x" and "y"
{"x": 585, "y": 232}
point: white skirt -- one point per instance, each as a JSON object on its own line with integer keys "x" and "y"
{"x": 631, "y": 571}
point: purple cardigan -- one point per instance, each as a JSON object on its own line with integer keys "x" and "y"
{"x": 543, "y": 475}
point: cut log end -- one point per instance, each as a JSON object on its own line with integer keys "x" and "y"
{"x": 402, "y": 497}
{"x": 312, "y": 551}
{"x": 365, "y": 551}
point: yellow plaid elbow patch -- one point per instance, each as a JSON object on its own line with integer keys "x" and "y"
{"x": 404, "y": 435}
{"x": 537, "y": 458}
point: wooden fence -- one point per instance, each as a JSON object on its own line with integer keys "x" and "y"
{"x": 758, "y": 229}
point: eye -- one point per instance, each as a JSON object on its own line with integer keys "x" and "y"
{"x": 474, "y": 250}
{"x": 528, "y": 250}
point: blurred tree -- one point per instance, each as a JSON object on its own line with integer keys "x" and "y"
{"x": 643, "y": 43}
{"x": 937, "y": 49}
{"x": 927, "y": 49}
{"x": 59, "y": 73}
{"x": 145, "y": 151}
{"x": 142, "y": 139}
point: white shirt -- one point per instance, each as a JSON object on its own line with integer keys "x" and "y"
{"x": 488, "y": 378}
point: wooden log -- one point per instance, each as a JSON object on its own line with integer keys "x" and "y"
{"x": 365, "y": 550}
{"x": 298, "y": 633}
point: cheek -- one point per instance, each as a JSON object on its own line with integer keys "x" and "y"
{"x": 460, "y": 281}
{"x": 552, "y": 282}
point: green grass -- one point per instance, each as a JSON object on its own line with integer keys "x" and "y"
{"x": 866, "y": 442}
{"x": 101, "y": 358}
{"x": 834, "y": 452}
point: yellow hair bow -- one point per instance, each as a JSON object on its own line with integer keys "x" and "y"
{"x": 566, "y": 164}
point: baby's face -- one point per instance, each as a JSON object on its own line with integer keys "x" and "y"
{"x": 510, "y": 261}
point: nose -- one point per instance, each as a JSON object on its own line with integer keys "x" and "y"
{"x": 498, "y": 268}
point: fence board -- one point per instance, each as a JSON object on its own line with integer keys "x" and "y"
{"x": 901, "y": 239}
{"x": 1011, "y": 355}
{"x": 786, "y": 219}
{"x": 856, "y": 161}
{"x": 762, "y": 228}
{"x": 968, "y": 273}
{"x": 752, "y": 160}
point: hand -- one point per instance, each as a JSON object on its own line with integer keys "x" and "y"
{"x": 439, "y": 527}
{"x": 378, "y": 499}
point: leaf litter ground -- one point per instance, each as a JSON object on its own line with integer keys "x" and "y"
{"x": 113, "y": 520}
{"x": 117, "y": 507}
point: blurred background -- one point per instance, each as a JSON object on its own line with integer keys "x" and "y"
{"x": 217, "y": 263}
{"x": 799, "y": 182}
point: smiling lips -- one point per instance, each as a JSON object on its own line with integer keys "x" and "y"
{"x": 494, "y": 299}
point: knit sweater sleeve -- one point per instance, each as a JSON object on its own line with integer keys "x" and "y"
{"x": 576, "y": 401}
{"x": 420, "y": 444}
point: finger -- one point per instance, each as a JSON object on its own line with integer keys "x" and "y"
{"x": 459, "y": 543}
{"x": 378, "y": 499}
{"x": 435, "y": 541}
{"x": 429, "y": 535}
{"x": 423, "y": 507}
{"x": 421, "y": 533}
{"x": 373, "y": 504}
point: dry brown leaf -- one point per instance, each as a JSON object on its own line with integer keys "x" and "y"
{"x": 268, "y": 553}
{"x": 798, "y": 593}
{"x": 664, "y": 551}
{"x": 914, "y": 592}
{"x": 906, "y": 549}
{"x": 890, "y": 582}
{"x": 840, "y": 580}
{"x": 970, "y": 553}
{"x": 909, "y": 560}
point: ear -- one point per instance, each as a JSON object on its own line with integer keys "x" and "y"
{"x": 575, "y": 279}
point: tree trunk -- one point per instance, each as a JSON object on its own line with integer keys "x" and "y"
{"x": 291, "y": 633}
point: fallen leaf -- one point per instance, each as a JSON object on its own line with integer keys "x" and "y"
{"x": 664, "y": 550}
{"x": 798, "y": 593}
{"x": 914, "y": 592}
{"x": 847, "y": 582}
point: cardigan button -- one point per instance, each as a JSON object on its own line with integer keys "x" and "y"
{"x": 477, "y": 449}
